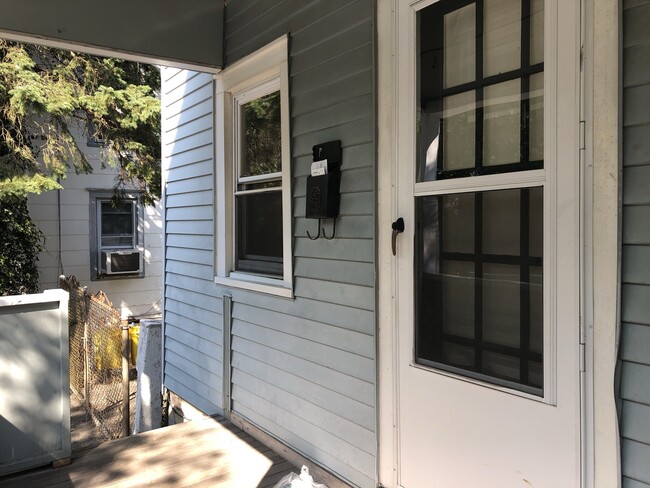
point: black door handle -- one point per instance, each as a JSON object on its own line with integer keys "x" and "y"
{"x": 398, "y": 228}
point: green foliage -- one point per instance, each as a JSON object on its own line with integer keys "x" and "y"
{"x": 263, "y": 134}
{"x": 20, "y": 243}
{"x": 45, "y": 93}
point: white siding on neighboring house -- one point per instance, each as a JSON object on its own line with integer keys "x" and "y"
{"x": 64, "y": 217}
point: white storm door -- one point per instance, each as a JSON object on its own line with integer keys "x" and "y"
{"x": 488, "y": 265}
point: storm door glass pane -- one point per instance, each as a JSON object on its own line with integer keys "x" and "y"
{"x": 460, "y": 46}
{"x": 536, "y": 120}
{"x": 479, "y": 300}
{"x": 261, "y": 136}
{"x": 536, "y": 31}
{"x": 259, "y": 232}
{"x": 501, "y": 123}
{"x": 117, "y": 225}
{"x": 459, "y": 131}
{"x": 502, "y": 36}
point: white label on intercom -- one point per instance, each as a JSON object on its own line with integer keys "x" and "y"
{"x": 319, "y": 168}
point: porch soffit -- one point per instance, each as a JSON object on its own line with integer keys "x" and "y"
{"x": 156, "y": 31}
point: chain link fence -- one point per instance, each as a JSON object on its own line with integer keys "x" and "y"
{"x": 97, "y": 375}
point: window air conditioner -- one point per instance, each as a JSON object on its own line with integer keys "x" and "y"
{"x": 121, "y": 262}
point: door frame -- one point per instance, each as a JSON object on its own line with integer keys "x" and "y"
{"x": 600, "y": 263}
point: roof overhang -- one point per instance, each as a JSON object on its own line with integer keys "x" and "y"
{"x": 167, "y": 32}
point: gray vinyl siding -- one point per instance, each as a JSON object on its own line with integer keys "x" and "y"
{"x": 193, "y": 323}
{"x": 635, "y": 344}
{"x": 304, "y": 369}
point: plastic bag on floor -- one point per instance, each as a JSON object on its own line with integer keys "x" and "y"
{"x": 302, "y": 480}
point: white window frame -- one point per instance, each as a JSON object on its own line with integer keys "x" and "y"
{"x": 258, "y": 74}
{"x": 97, "y": 197}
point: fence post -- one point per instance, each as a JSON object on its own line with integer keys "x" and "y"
{"x": 125, "y": 380}
{"x": 85, "y": 304}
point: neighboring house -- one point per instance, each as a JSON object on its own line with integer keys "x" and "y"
{"x": 474, "y": 342}
{"x": 115, "y": 249}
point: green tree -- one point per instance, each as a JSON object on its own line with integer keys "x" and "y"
{"x": 46, "y": 94}
{"x": 20, "y": 243}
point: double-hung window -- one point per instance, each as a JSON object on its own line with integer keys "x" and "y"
{"x": 253, "y": 197}
{"x": 116, "y": 235}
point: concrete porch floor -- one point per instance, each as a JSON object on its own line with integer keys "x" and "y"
{"x": 210, "y": 452}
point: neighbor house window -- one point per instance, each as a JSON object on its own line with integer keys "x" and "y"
{"x": 253, "y": 195}
{"x": 116, "y": 236}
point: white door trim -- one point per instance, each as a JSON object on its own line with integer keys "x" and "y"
{"x": 601, "y": 242}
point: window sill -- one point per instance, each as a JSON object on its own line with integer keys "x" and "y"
{"x": 261, "y": 284}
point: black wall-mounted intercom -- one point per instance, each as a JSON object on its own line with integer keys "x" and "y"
{"x": 323, "y": 195}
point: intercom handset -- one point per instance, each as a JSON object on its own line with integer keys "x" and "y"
{"x": 323, "y": 197}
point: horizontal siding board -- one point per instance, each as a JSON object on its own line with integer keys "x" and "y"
{"x": 335, "y": 446}
{"x": 630, "y": 483}
{"x": 354, "y": 388}
{"x": 196, "y": 256}
{"x": 336, "y": 271}
{"x": 634, "y": 460}
{"x": 206, "y": 302}
{"x": 351, "y": 110}
{"x": 193, "y": 344}
{"x": 189, "y": 227}
{"x": 635, "y": 423}
{"x": 636, "y": 145}
{"x": 636, "y": 181}
{"x": 195, "y": 162}
{"x": 345, "y": 294}
{"x": 635, "y": 225}
{"x": 190, "y": 100}
{"x": 173, "y": 78}
{"x": 337, "y": 337}
{"x": 332, "y": 401}
{"x": 329, "y": 313}
{"x": 189, "y": 128}
{"x": 190, "y": 241}
{"x": 636, "y": 25}
{"x": 354, "y": 60}
{"x": 189, "y": 269}
{"x": 344, "y": 362}
{"x": 173, "y": 147}
{"x": 193, "y": 84}
{"x": 196, "y": 392}
{"x": 198, "y": 212}
{"x": 191, "y": 332}
{"x": 208, "y": 362}
{"x": 198, "y": 198}
{"x": 197, "y": 367}
{"x": 325, "y": 45}
{"x": 201, "y": 110}
{"x": 636, "y": 105}
{"x": 636, "y": 69}
{"x": 346, "y": 431}
{"x": 359, "y": 250}
{"x": 288, "y": 433}
{"x": 636, "y": 265}
{"x": 192, "y": 314}
{"x": 349, "y": 85}
{"x": 347, "y": 227}
{"x": 635, "y": 383}
{"x": 190, "y": 185}
{"x": 635, "y": 343}
{"x": 357, "y": 132}
{"x": 190, "y": 283}
{"x": 636, "y": 304}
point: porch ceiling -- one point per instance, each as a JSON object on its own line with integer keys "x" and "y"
{"x": 160, "y": 31}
